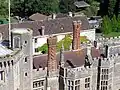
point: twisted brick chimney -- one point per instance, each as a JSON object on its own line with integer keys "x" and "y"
{"x": 76, "y": 35}
{"x": 52, "y": 62}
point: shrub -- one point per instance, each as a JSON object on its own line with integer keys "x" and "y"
{"x": 66, "y": 43}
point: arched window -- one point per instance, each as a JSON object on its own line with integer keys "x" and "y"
{"x": 16, "y": 42}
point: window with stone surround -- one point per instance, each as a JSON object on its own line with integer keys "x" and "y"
{"x": 70, "y": 85}
{"x": 16, "y": 41}
{"x": 35, "y": 40}
{"x": 1, "y": 75}
{"x": 87, "y": 82}
{"x": 26, "y": 59}
{"x": 36, "y": 50}
{"x": 38, "y": 84}
{"x": 104, "y": 79}
{"x": 77, "y": 85}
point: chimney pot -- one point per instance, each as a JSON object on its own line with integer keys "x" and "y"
{"x": 43, "y": 29}
{"x": 70, "y": 14}
{"x": 53, "y": 16}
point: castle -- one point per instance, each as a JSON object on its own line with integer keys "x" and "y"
{"x": 89, "y": 66}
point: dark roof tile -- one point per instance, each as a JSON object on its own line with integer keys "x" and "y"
{"x": 51, "y": 26}
{"x": 75, "y": 57}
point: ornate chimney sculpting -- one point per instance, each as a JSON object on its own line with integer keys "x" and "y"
{"x": 52, "y": 62}
{"x": 76, "y": 35}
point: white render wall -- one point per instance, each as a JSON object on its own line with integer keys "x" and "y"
{"x": 90, "y": 34}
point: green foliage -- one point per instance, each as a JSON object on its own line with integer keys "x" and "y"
{"x": 27, "y": 7}
{"x": 112, "y": 34}
{"x": 67, "y": 6}
{"x": 90, "y": 1}
{"x": 114, "y": 24}
{"x": 3, "y": 9}
{"x": 118, "y": 24}
{"x": 106, "y": 25}
{"x": 111, "y": 27}
{"x": 92, "y": 10}
{"x": 66, "y": 43}
{"x": 111, "y": 7}
{"x": 43, "y": 48}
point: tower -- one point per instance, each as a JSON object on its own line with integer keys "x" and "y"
{"x": 22, "y": 41}
{"x": 76, "y": 35}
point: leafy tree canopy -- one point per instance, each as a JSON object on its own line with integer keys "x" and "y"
{"x": 67, "y": 6}
{"x": 3, "y": 8}
{"x": 27, "y": 7}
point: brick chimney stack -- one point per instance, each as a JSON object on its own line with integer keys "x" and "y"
{"x": 52, "y": 62}
{"x": 76, "y": 35}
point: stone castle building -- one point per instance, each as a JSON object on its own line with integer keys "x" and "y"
{"x": 16, "y": 63}
{"x": 58, "y": 27}
{"x": 88, "y": 66}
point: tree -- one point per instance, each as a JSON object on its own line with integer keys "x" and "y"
{"x": 3, "y": 8}
{"x": 103, "y": 7}
{"x": 106, "y": 25}
{"x": 111, "y": 7}
{"x": 27, "y": 7}
{"x": 117, "y": 8}
{"x": 45, "y": 6}
{"x": 67, "y": 6}
{"x": 114, "y": 23}
{"x": 118, "y": 23}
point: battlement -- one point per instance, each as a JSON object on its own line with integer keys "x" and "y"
{"x": 39, "y": 73}
{"x": 110, "y": 58}
{"x": 110, "y": 38}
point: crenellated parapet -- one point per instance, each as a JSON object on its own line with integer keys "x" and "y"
{"x": 39, "y": 73}
{"x": 9, "y": 59}
{"x": 109, "y": 40}
{"x": 106, "y": 62}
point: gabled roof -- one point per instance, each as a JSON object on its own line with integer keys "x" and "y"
{"x": 54, "y": 26}
{"x": 38, "y": 17}
{"x": 80, "y": 4}
{"x": 77, "y": 58}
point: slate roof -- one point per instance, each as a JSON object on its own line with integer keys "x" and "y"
{"x": 4, "y": 51}
{"x": 38, "y": 17}
{"x": 95, "y": 52}
{"x": 75, "y": 57}
{"x": 80, "y": 4}
{"x": 51, "y": 26}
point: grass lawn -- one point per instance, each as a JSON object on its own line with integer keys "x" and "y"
{"x": 112, "y": 34}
